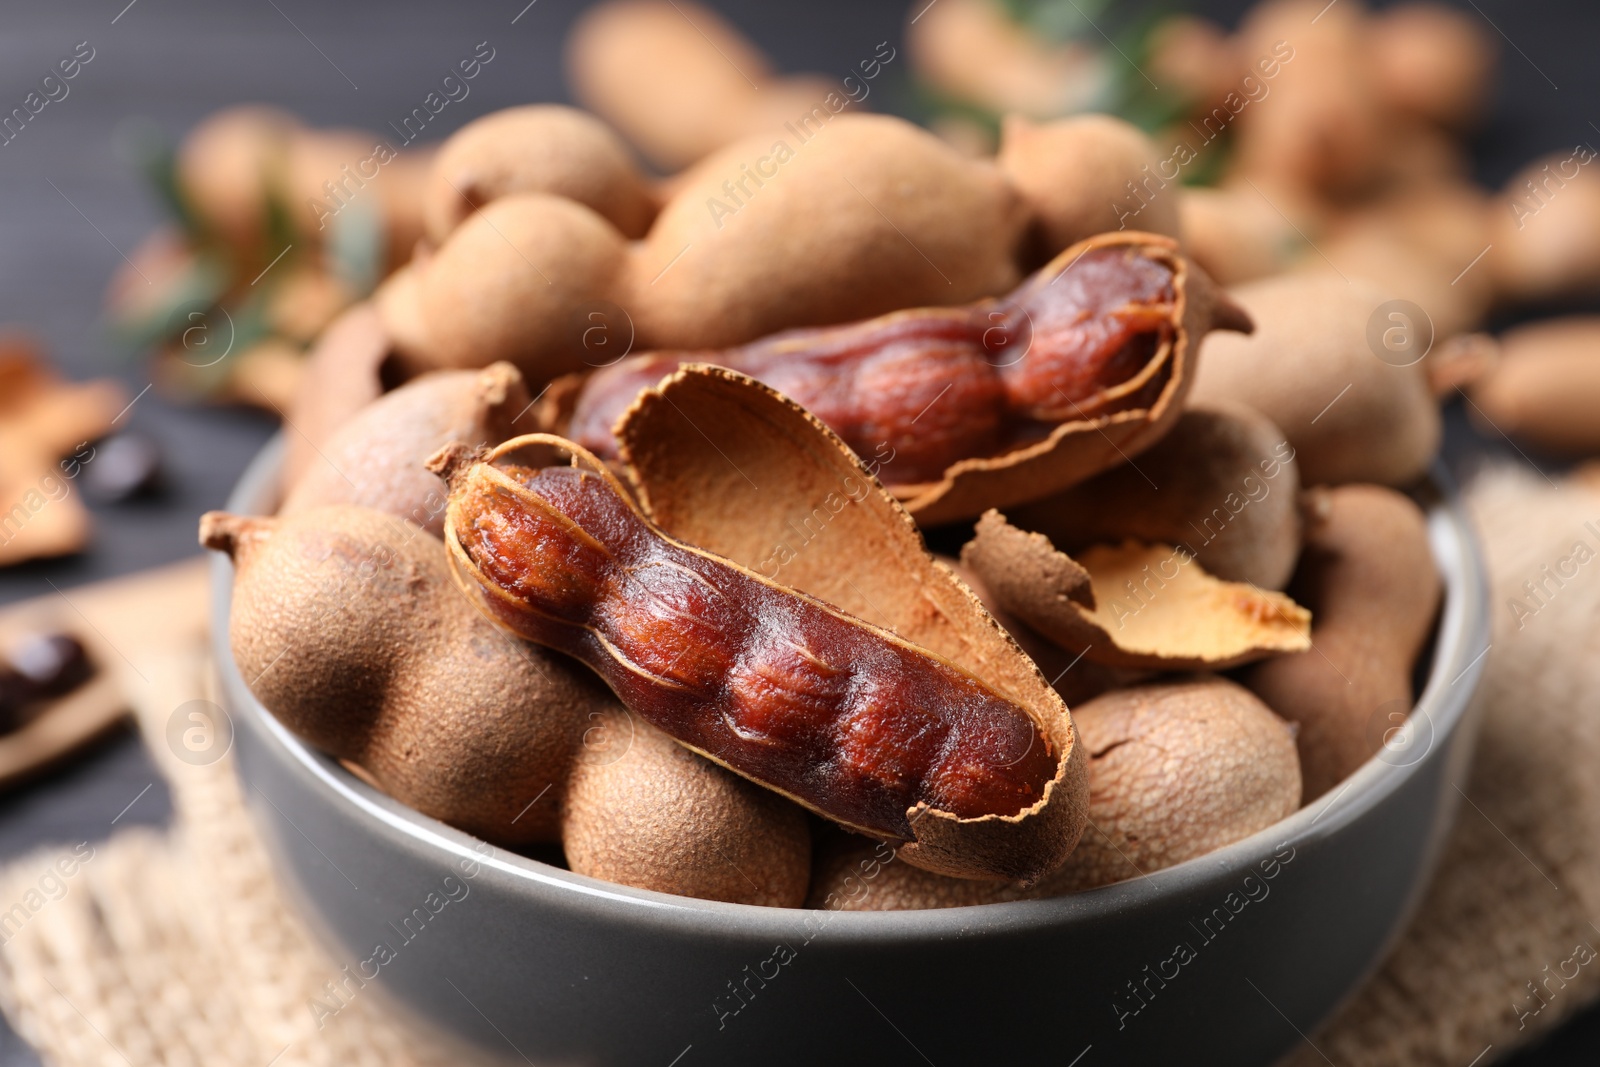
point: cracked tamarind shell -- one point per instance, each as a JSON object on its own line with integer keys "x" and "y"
{"x": 1369, "y": 574}
{"x": 644, "y": 811}
{"x": 1133, "y": 605}
{"x": 720, "y": 461}
{"x": 1077, "y": 678}
{"x": 1177, "y": 769}
{"x": 1311, "y": 368}
{"x": 846, "y": 718}
{"x": 347, "y": 626}
{"x": 375, "y": 459}
{"x": 1081, "y": 448}
{"x": 1222, "y": 483}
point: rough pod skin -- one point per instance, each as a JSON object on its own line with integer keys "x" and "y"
{"x": 1415, "y": 244}
{"x": 1542, "y": 226}
{"x": 1369, "y": 576}
{"x": 722, "y": 462}
{"x": 1309, "y": 367}
{"x": 1545, "y": 387}
{"x": 841, "y": 716}
{"x": 1176, "y": 770}
{"x": 541, "y": 148}
{"x": 1222, "y": 484}
{"x": 347, "y": 626}
{"x": 375, "y": 460}
{"x": 1432, "y": 62}
{"x": 644, "y": 811}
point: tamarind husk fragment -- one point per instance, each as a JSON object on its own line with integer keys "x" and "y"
{"x": 42, "y": 420}
{"x": 1075, "y": 677}
{"x": 1133, "y": 605}
{"x": 720, "y": 461}
{"x": 1223, "y": 483}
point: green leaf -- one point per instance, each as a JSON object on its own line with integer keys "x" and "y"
{"x": 356, "y": 245}
{"x": 157, "y": 161}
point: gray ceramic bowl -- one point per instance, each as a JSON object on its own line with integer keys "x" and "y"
{"x": 1225, "y": 959}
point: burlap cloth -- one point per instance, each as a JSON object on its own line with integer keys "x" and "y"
{"x": 175, "y": 948}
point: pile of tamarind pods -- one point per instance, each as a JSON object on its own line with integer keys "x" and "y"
{"x": 603, "y": 522}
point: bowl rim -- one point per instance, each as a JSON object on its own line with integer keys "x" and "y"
{"x": 1461, "y": 630}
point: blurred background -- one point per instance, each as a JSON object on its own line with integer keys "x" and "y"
{"x": 84, "y": 182}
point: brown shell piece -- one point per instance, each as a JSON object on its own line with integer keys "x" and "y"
{"x": 1082, "y": 448}
{"x": 42, "y": 420}
{"x": 720, "y": 461}
{"x": 1075, "y": 677}
{"x": 1133, "y": 605}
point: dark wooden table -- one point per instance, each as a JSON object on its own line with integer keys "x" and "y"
{"x": 73, "y": 205}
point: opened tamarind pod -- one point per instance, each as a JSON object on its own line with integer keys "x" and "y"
{"x": 723, "y": 462}
{"x": 841, "y": 716}
{"x": 1002, "y": 400}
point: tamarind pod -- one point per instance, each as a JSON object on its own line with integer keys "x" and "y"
{"x": 942, "y": 384}
{"x": 845, "y": 718}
